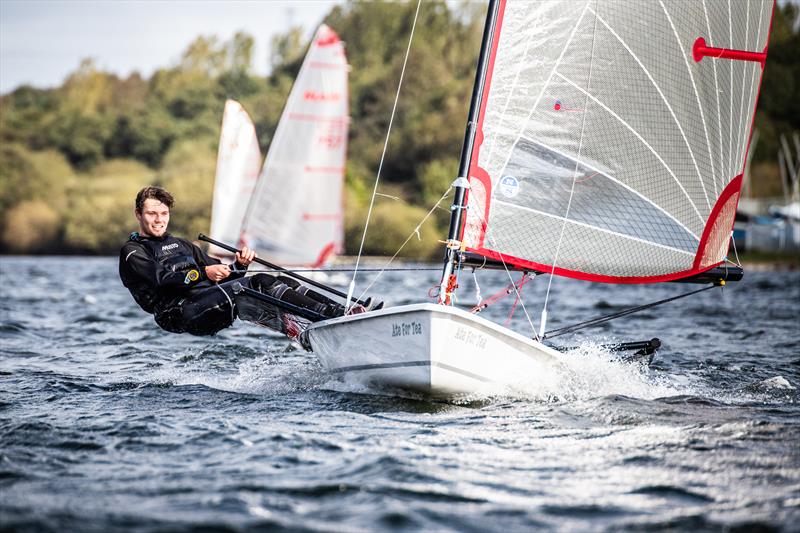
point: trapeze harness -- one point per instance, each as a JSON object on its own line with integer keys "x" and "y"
{"x": 166, "y": 276}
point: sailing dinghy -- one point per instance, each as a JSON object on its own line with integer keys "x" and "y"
{"x": 295, "y": 214}
{"x": 238, "y": 163}
{"x": 606, "y": 141}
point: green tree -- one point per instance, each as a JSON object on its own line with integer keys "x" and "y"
{"x": 81, "y": 138}
{"x": 100, "y": 211}
{"x": 145, "y": 135}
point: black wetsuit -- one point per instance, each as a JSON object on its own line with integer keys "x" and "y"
{"x": 166, "y": 277}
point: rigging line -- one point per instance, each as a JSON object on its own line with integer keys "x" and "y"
{"x": 663, "y": 97}
{"x": 543, "y": 319}
{"x": 699, "y": 103}
{"x": 388, "y": 196}
{"x": 414, "y": 232}
{"x": 602, "y": 319}
{"x": 735, "y": 252}
{"x": 383, "y": 154}
{"x": 724, "y": 171}
{"x": 493, "y": 243}
{"x": 641, "y": 139}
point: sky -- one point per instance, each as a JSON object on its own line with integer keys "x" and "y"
{"x": 43, "y": 41}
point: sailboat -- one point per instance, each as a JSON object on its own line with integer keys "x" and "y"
{"x": 238, "y": 164}
{"x": 605, "y": 142}
{"x": 295, "y": 214}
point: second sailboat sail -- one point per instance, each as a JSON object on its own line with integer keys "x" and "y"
{"x": 238, "y": 161}
{"x": 295, "y": 214}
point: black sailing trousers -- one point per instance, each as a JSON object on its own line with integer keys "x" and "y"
{"x": 213, "y": 309}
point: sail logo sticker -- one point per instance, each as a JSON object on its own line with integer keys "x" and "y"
{"x": 321, "y": 96}
{"x": 509, "y": 186}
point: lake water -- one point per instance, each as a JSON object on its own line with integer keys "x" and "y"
{"x": 109, "y": 424}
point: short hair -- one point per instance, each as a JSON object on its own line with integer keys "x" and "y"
{"x": 157, "y": 193}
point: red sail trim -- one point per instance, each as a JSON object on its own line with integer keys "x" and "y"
{"x": 327, "y": 37}
{"x": 478, "y": 173}
{"x": 474, "y": 170}
{"x": 719, "y": 229}
{"x": 600, "y": 278}
{"x": 324, "y": 255}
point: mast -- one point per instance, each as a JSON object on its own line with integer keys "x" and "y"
{"x": 462, "y": 181}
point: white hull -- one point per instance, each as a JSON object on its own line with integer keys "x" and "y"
{"x": 426, "y": 349}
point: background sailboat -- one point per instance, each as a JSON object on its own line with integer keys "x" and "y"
{"x": 606, "y": 141}
{"x": 238, "y": 163}
{"x": 294, "y": 215}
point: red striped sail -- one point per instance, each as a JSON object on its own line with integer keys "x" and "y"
{"x": 295, "y": 215}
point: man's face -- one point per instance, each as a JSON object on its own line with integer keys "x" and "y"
{"x": 153, "y": 218}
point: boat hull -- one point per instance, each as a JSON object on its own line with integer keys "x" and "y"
{"x": 425, "y": 349}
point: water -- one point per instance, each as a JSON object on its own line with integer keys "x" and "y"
{"x": 107, "y": 423}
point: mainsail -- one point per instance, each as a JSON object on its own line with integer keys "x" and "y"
{"x": 295, "y": 215}
{"x": 238, "y": 162}
{"x": 612, "y": 136}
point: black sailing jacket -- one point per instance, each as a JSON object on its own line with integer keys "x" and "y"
{"x": 161, "y": 271}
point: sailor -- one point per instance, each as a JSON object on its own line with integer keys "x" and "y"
{"x": 186, "y": 289}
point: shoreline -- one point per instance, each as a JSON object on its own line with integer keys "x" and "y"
{"x": 752, "y": 264}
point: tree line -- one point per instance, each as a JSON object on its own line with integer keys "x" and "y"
{"x": 73, "y": 157}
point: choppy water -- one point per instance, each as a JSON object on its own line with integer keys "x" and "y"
{"x": 107, "y": 423}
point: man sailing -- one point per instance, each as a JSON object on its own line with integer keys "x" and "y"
{"x": 185, "y": 289}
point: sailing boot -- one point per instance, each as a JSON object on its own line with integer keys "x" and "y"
{"x": 305, "y": 291}
{"x": 331, "y": 310}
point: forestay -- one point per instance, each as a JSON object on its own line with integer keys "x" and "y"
{"x": 295, "y": 215}
{"x": 612, "y": 139}
{"x": 238, "y": 163}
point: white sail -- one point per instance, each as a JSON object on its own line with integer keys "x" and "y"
{"x": 295, "y": 215}
{"x": 612, "y": 142}
{"x": 238, "y": 163}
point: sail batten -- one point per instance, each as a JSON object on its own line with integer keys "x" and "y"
{"x": 599, "y": 130}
